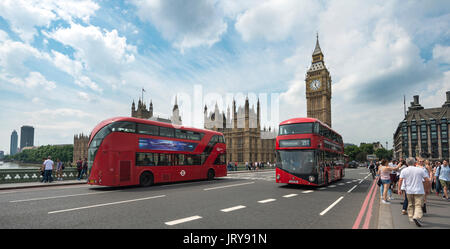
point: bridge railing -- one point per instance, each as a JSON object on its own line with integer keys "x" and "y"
{"x": 32, "y": 175}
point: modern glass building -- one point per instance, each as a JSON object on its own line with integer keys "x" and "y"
{"x": 26, "y": 136}
{"x": 13, "y": 143}
{"x": 424, "y": 132}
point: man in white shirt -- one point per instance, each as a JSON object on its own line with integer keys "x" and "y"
{"x": 48, "y": 168}
{"x": 411, "y": 180}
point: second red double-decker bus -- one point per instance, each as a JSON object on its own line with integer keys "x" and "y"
{"x": 130, "y": 151}
{"x": 308, "y": 153}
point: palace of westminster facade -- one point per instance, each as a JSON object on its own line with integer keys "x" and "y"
{"x": 245, "y": 140}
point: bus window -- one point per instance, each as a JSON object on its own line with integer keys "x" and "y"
{"x": 148, "y": 129}
{"x": 166, "y": 132}
{"x": 180, "y": 134}
{"x": 301, "y": 128}
{"x": 123, "y": 127}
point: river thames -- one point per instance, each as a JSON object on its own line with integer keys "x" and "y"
{"x": 12, "y": 165}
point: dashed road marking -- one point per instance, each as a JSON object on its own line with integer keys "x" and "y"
{"x": 179, "y": 221}
{"x": 267, "y": 200}
{"x": 226, "y": 210}
{"x": 105, "y": 204}
{"x": 290, "y": 195}
{"x": 331, "y": 206}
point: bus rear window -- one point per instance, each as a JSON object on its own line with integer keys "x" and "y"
{"x": 301, "y": 128}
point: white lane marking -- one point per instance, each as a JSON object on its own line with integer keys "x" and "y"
{"x": 105, "y": 204}
{"x": 289, "y": 196}
{"x": 361, "y": 181}
{"x": 307, "y": 191}
{"x": 331, "y": 206}
{"x": 62, "y": 196}
{"x": 35, "y": 189}
{"x": 340, "y": 184}
{"x": 267, "y": 200}
{"x": 228, "y": 186}
{"x": 349, "y": 182}
{"x": 322, "y": 188}
{"x": 332, "y": 186}
{"x": 226, "y": 210}
{"x": 175, "y": 222}
{"x": 352, "y": 189}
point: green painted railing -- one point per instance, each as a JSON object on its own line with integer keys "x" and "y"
{"x": 32, "y": 175}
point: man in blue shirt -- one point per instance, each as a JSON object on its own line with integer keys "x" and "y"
{"x": 444, "y": 177}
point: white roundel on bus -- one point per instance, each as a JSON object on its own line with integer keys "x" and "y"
{"x": 182, "y": 172}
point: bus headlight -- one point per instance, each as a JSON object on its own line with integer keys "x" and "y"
{"x": 312, "y": 178}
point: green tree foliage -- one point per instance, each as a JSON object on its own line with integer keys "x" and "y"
{"x": 360, "y": 153}
{"x": 63, "y": 152}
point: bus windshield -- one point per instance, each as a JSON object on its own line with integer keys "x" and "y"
{"x": 296, "y": 161}
{"x": 301, "y": 128}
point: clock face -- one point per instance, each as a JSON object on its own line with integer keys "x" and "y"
{"x": 315, "y": 84}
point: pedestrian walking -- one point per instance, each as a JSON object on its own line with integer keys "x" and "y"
{"x": 444, "y": 178}
{"x": 79, "y": 168}
{"x": 84, "y": 168}
{"x": 412, "y": 179}
{"x": 372, "y": 169}
{"x": 59, "y": 168}
{"x": 405, "y": 198}
{"x": 48, "y": 168}
{"x": 384, "y": 173}
{"x": 426, "y": 185}
{"x": 436, "y": 178}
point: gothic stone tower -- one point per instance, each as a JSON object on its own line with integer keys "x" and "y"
{"x": 318, "y": 88}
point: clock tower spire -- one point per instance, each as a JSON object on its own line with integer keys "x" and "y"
{"x": 318, "y": 87}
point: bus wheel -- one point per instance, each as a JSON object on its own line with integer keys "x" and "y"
{"x": 210, "y": 175}
{"x": 146, "y": 179}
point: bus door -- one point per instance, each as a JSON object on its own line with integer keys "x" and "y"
{"x": 124, "y": 167}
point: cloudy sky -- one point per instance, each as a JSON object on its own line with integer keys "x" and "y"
{"x": 67, "y": 65}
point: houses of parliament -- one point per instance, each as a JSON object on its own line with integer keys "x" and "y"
{"x": 246, "y": 140}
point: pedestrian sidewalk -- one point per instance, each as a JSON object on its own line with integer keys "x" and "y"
{"x": 39, "y": 184}
{"x": 436, "y": 217}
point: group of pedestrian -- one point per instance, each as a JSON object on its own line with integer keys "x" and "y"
{"x": 82, "y": 167}
{"x": 47, "y": 169}
{"x": 416, "y": 179}
{"x": 257, "y": 165}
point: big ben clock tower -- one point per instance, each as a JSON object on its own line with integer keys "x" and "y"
{"x": 318, "y": 88}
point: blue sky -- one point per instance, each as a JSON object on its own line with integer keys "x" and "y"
{"x": 67, "y": 65}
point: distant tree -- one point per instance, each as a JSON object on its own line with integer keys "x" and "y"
{"x": 63, "y": 152}
{"x": 382, "y": 153}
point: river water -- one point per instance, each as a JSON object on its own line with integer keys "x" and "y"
{"x": 11, "y": 165}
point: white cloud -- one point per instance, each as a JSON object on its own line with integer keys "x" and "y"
{"x": 13, "y": 55}
{"x": 186, "y": 24}
{"x": 441, "y": 53}
{"x": 35, "y": 80}
{"x": 25, "y": 16}
{"x": 276, "y": 20}
{"x": 99, "y": 50}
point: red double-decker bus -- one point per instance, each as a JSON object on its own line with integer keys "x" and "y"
{"x": 308, "y": 153}
{"x": 130, "y": 151}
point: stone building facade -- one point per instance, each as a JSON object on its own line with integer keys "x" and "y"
{"x": 424, "y": 132}
{"x": 80, "y": 147}
{"x": 245, "y": 140}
